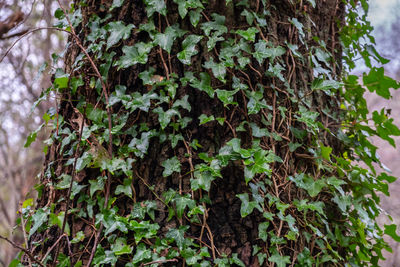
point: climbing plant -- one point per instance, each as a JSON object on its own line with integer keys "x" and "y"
{"x": 212, "y": 133}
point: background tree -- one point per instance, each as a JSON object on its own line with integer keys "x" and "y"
{"x": 208, "y": 132}
{"x": 21, "y": 86}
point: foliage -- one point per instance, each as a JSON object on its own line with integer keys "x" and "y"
{"x": 334, "y": 213}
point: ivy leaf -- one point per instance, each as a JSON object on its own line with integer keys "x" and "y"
{"x": 75, "y": 83}
{"x": 218, "y": 69}
{"x": 390, "y": 230}
{"x": 164, "y": 117}
{"x": 142, "y": 253}
{"x": 377, "y": 81}
{"x": 120, "y": 247}
{"x": 195, "y": 16}
{"x": 299, "y": 27}
{"x": 178, "y": 235}
{"x": 155, "y": 6}
{"x": 165, "y": 40}
{"x": 204, "y": 118}
{"x": 262, "y": 231}
{"x": 181, "y": 202}
{"x": 217, "y": 25}
{"x": 249, "y": 34}
{"x": 171, "y": 165}
{"x": 118, "y": 31}
{"x": 325, "y": 85}
{"x": 203, "y": 180}
{"x": 78, "y": 237}
{"x": 125, "y": 188}
{"x": 204, "y": 84}
{"x": 183, "y": 103}
{"x": 261, "y": 52}
{"x": 136, "y": 54}
{"x": 280, "y": 261}
{"x": 184, "y": 5}
{"x": 247, "y": 206}
{"x": 226, "y": 96}
{"x": 326, "y": 151}
{"x": 313, "y": 187}
{"x": 39, "y": 218}
{"x": 83, "y": 161}
{"x": 276, "y": 52}
{"x": 189, "y": 48}
{"x": 96, "y": 185}
{"x": 116, "y": 3}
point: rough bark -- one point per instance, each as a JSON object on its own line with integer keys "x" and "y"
{"x": 227, "y": 232}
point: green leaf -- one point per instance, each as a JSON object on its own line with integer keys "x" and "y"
{"x": 202, "y": 180}
{"x": 116, "y": 4}
{"x": 178, "y": 235}
{"x": 204, "y": 118}
{"x": 184, "y": 5}
{"x": 120, "y": 247}
{"x": 280, "y": 261}
{"x": 325, "y": 85}
{"x": 298, "y": 25}
{"x": 182, "y": 202}
{"x": 118, "y": 31}
{"x": 132, "y": 55}
{"x": 326, "y": 151}
{"x": 142, "y": 253}
{"x": 204, "y": 84}
{"x": 78, "y": 237}
{"x": 83, "y": 161}
{"x": 218, "y": 69}
{"x": 165, "y": 40}
{"x": 96, "y": 185}
{"x": 189, "y": 48}
{"x": 313, "y": 187}
{"x": 247, "y": 206}
{"x": 183, "y": 103}
{"x": 262, "y": 52}
{"x": 249, "y": 34}
{"x": 217, "y": 25}
{"x": 226, "y": 96}
{"x": 171, "y": 165}
{"x": 32, "y": 137}
{"x": 390, "y": 230}
{"x": 75, "y": 83}
{"x": 155, "y": 6}
{"x": 195, "y": 16}
{"x": 164, "y": 117}
{"x": 125, "y": 188}
{"x": 377, "y": 81}
{"x": 39, "y": 218}
{"x": 262, "y": 231}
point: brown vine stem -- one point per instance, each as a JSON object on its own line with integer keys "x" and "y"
{"x": 27, "y": 252}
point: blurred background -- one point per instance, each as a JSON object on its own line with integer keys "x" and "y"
{"x": 21, "y": 85}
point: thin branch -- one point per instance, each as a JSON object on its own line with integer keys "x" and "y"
{"x": 27, "y": 252}
{"x": 29, "y": 32}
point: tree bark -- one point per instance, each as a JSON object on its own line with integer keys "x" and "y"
{"x": 221, "y": 228}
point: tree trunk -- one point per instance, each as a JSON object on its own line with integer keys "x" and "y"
{"x": 233, "y": 180}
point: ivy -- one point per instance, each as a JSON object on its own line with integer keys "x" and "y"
{"x": 178, "y": 110}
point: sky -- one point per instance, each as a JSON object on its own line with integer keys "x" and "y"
{"x": 382, "y": 12}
